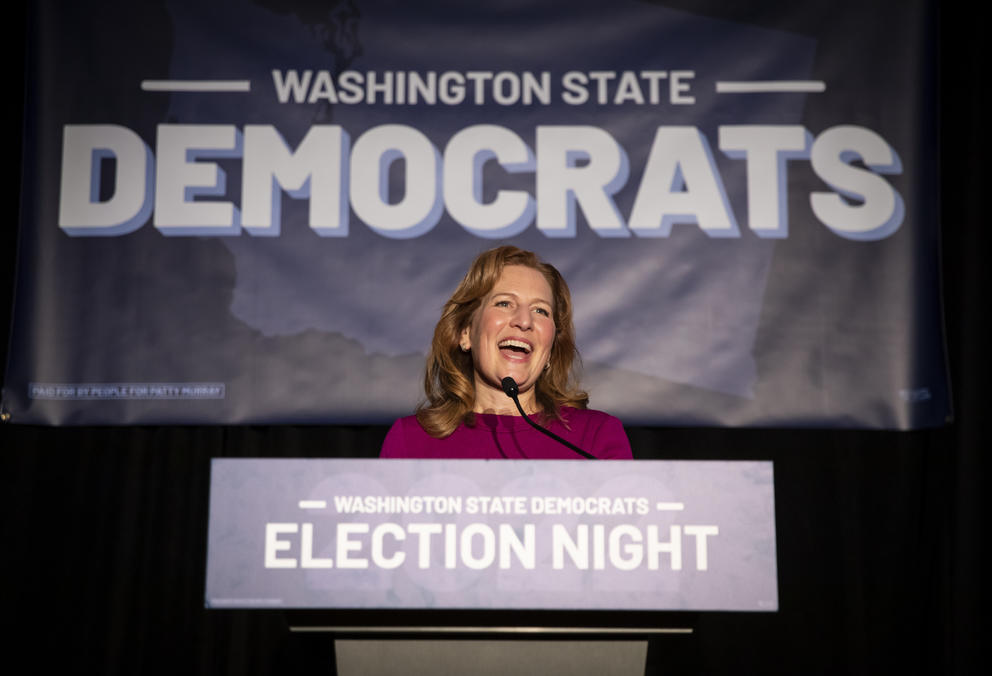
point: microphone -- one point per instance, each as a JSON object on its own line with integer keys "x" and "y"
{"x": 511, "y": 390}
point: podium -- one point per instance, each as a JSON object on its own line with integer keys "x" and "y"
{"x": 406, "y": 657}
{"x": 475, "y": 566}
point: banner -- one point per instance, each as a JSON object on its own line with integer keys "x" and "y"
{"x": 545, "y": 535}
{"x": 251, "y": 212}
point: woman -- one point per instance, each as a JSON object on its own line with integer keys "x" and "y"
{"x": 510, "y": 316}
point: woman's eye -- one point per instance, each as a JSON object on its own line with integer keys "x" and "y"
{"x": 542, "y": 311}
{"x": 502, "y": 303}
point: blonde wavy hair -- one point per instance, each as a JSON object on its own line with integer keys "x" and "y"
{"x": 449, "y": 382}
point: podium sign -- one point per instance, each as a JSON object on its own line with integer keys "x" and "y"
{"x": 478, "y": 534}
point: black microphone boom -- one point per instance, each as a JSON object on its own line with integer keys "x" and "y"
{"x": 511, "y": 390}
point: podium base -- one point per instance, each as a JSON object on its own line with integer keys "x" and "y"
{"x": 484, "y": 657}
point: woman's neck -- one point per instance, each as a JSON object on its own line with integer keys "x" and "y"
{"x": 488, "y": 399}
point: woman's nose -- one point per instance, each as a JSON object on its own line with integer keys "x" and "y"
{"x": 522, "y": 317}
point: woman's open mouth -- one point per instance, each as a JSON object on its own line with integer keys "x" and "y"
{"x": 514, "y": 349}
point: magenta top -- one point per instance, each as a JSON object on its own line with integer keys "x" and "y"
{"x": 507, "y": 436}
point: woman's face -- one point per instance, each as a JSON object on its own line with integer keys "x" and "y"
{"x": 511, "y": 334}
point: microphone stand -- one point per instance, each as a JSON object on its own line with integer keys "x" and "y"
{"x": 511, "y": 390}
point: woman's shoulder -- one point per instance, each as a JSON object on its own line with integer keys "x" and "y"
{"x": 598, "y": 430}
{"x": 588, "y": 416}
{"x": 407, "y": 422}
{"x": 403, "y": 438}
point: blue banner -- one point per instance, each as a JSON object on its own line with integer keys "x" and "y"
{"x": 252, "y": 212}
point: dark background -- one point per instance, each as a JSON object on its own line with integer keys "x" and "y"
{"x": 881, "y": 535}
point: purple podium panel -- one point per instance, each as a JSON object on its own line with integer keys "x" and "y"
{"x": 478, "y": 534}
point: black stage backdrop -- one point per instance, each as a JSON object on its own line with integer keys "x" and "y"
{"x": 881, "y": 539}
